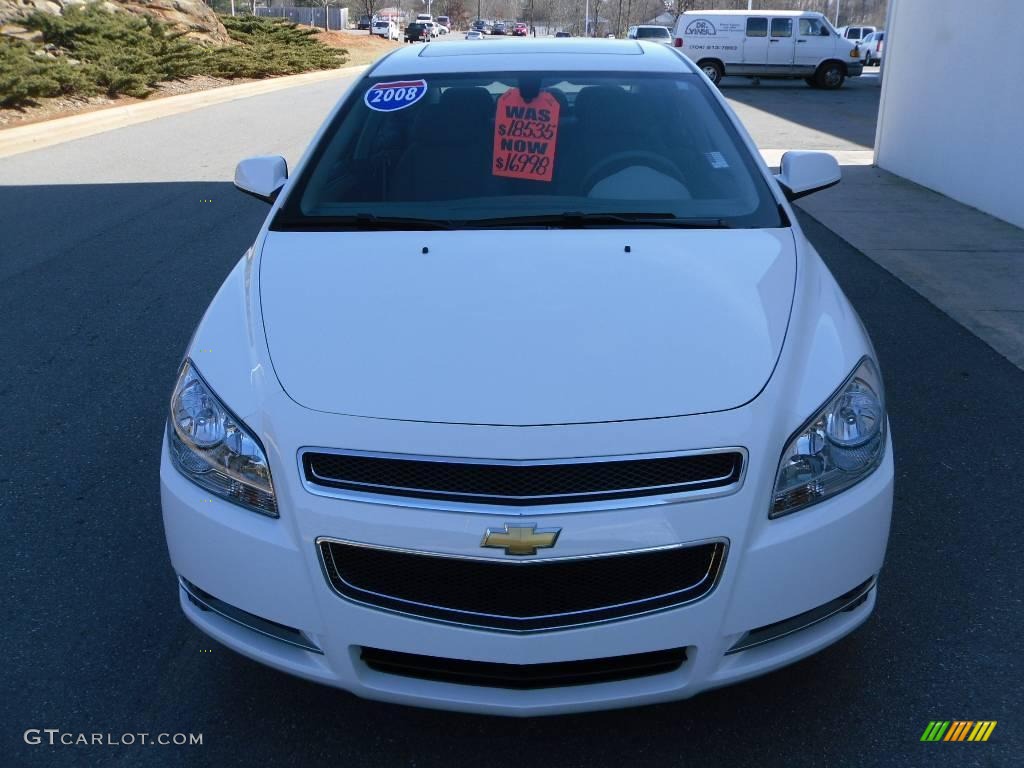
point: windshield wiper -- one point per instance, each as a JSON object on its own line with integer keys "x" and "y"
{"x": 370, "y": 222}
{"x": 364, "y": 222}
{"x": 580, "y": 220}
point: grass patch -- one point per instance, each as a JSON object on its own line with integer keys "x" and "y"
{"x": 121, "y": 53}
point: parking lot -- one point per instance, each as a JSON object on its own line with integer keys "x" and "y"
{"x": 114, "y": 244}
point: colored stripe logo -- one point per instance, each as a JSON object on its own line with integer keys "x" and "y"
{"x": 958, "y": 730}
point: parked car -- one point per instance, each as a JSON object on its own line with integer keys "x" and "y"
{"x": 474, "y": 34}
{"x": 498, "y": 28}
{"x": 445, "y": 21}
{"x": 873, "y": 48}
{"x": 432, "y": 28}
{"x": 364, "y": 22}
{"x": 654, "y": 33}
{"x": 520, "y": 29}
{"x": 385, "y": 28}
{"x": 417, "y": 31}
{"x": 440, "y": 28}
{"x": 638, "y": 451}
{"x": 424, "y": 17}
{"x": 856, "y": 33}
{"x": 768, "y": 44}
{"x": 563, "y": 33}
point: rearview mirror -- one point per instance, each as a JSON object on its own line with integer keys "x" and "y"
{"x": 262, "y": 176}
{"x": 802, "y": 173}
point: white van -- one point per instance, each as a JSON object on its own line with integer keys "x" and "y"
{"x": 785, "y": 44}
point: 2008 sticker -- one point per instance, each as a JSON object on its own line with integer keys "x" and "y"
{"x": 389, "y": 97}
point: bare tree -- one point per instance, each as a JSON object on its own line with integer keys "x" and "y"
{"x": 455, "y": 10}
{"x": 679, "y": 7}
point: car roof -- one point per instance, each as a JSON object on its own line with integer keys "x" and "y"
{"x": 759, "y": 13}
{"x": 564, "y": 54}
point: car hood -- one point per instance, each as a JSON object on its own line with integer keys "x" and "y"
{"x": 526, "y": 327}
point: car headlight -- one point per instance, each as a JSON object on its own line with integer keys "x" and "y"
{"x": 839, "y": 446}
{"x": 214, "y": 449}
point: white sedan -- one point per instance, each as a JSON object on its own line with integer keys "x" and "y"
{"x": 474, "y": 34}
{"x": 579, "y": 421}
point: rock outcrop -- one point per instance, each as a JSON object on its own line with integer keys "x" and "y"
{"x": 192, "y": 17}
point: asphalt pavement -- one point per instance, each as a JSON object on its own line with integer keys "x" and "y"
{"x": 110, "y": 249}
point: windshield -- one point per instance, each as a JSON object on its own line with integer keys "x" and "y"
{"x": 530, "y": 149}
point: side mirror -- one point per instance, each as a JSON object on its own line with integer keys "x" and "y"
{"x": 262, "y": 177}
{"x": 802, "y": 173}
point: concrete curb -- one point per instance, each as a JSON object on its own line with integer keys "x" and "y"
{"x": 26, "y": 138}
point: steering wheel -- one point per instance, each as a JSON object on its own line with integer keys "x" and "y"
{"x": 618, "y": 161}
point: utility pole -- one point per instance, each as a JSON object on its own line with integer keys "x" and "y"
{"x": 837, "y": 13}
{"x": 586, "y": 20}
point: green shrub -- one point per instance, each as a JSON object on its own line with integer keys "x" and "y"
{"x": 271, "y": 47}
{"x": 25, "y": 76}
{"x": 122, "y": 53}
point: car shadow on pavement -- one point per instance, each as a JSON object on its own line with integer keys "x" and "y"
{"x": 849, "y": 113}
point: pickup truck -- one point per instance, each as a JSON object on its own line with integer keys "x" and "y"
{"x": 417, "y": 31}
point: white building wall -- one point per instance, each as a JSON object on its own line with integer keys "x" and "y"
{"x": 952, "y": 110}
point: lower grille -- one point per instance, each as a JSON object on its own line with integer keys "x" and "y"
{"x": 524, "y": 676}
{"x": 849, "y": 601}
{"x": 522, "y": 595}
{"x": 204, "y": 601}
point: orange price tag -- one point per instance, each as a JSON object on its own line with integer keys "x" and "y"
{"x": 525, "y": 136}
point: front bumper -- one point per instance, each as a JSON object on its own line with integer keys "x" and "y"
{"x": 774, "y": 570}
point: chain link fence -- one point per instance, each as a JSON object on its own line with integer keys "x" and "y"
{"x": 329, "y": 18}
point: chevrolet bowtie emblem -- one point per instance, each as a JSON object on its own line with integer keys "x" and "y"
{"x": 520, "y": 539}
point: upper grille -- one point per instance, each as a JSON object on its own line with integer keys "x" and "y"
{"x": 521, "y": 483}
{"x": 522, "y": 595}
